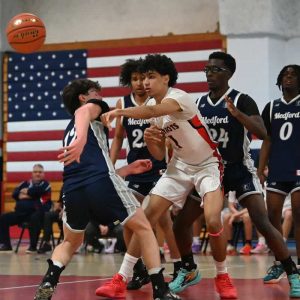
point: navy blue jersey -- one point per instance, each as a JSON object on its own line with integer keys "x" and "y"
{"x": 94, "y": 163}
{"x": 282, "y": 121}
{"x": 232, "y": 137}
{"x": 137, "y": 147}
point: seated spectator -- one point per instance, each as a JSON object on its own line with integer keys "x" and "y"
{"x": 236, "y": 214}
{"x": 94, "y": 232}
{"x": 287, "y": 217}
{"x": 33, "y": 199}
{"x": 51, "y": 217}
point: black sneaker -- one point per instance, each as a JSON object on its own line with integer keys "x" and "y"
{"x": 5, "y": 248}
{"x": 138, "y": 280}
{"x": 31, "y": 250}
{"x": 45, "y": 248}
{"x": 44, "y": 291}
{"x": 168, "y": 296}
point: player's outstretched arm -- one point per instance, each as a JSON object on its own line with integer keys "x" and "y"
{"x": 137, "y": 167}
{"x": 168, "y": 106}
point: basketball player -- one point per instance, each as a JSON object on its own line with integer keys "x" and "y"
{"x": 280, "y": 151}
{"x": 230, "y": 116}
{"x": 195, "y": 162}
{"x": 92, "y": 190}
{"x": 131, "y": 76}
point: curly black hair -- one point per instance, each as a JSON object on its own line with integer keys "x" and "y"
{"x": 162, "y": 65}
{"x": 296, "y": 68}
{"x": 228, "y": 60}
{"x": 72, "y": 91}
{"x": 129, "y": 67}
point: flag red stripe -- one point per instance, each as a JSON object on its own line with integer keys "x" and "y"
{"x": 41, "y": 135}
{"x": 190, "y": 66}
{"x": 35, "y": 136}
{"x": 193, "y": 87}
{"x": 158, "y": 48}
{"x": 43, "y": 155}
{"x": 32, "y": 156}
{"x": 20, "y": 176}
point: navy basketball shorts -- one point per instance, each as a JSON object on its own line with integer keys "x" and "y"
{"x": 107, "y": 200}
{"x": 282, "y": 187}
{"x": 242, "y": 179}
{"x": 143, "y": 188}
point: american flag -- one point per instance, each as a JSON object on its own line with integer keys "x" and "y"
{"x": 36, "y": 117}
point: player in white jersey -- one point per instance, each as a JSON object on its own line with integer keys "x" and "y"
{"x": 195, "y": 162}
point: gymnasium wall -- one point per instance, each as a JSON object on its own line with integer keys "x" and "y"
{"x": 261, "y": 34}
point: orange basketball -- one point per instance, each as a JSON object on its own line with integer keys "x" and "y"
{"x": 26, "y": 33}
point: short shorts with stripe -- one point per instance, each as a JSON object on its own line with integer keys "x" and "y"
{"x": 143, "y": 188}
{"x": 282, "y": 187}
{"x": 107, "y": 200}
{"x": 180, "y": 179}
{"x": 241, "y": 177}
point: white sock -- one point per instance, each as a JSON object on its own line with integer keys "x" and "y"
{"x": 57, "y": 263}
{"x": 196, "y": 240}
{"x": 221, "y": 267}
{"x": 128, "y": 263}
{"x": 262, "y": 240}
{"x": 285, "y": 239}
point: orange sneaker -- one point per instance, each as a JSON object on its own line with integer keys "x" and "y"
{"x": 224, "y": 287}
{"x": 115, "y": 288}
{"x": 246, "y": 250}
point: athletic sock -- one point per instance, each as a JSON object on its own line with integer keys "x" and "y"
{"x": 177, "y": 266}
{"x": 158, "y": 283}
{"x": 139, "y": 266}
{"x": 221, "y": 267}
{"x": 289, "y": 266}
{"x": 188, "y": 262}
{"x": 127, "y": 266}
{"x": 53, "y": 273}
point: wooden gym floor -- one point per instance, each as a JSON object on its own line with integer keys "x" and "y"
{"x": 21, "y": 273}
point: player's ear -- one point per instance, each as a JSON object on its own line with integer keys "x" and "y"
{"x": 82, "y": 99}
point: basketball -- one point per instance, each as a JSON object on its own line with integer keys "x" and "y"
{"x": 26, "y": 33}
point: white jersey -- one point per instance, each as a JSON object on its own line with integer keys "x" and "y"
{"x": 186, "y": 130}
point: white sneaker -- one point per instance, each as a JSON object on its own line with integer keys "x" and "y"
{"x": 260, "y": 249}
{"x": 110, "y": 246}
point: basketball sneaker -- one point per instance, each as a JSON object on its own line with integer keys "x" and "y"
{"x": 294, "y": 281}
{"x": 168, "y": 296}
{"x": 139, "y": 279}
{"x": 246, "y": 250}
{"x": 231, "y": 250}
{"x": 44, "y": 291}
{"x": 260, "y": 249}
{"x": 115, "y": 288}
{"x": 274, "y": 274}
{"x": 225, "y": 287}
{"x": 5, "y": 248}
{"x": 184, "y": 279}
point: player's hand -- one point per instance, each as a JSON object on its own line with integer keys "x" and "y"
{"x": 103, "y": 229}
{"x": 231, "y": 107}
{"x": 262, "y": 177}
{"x": 72, "y": 152}
{"x": 153, "y": 134}
{"x": 108, "y": 117}
{"x": 140, "y": 166}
